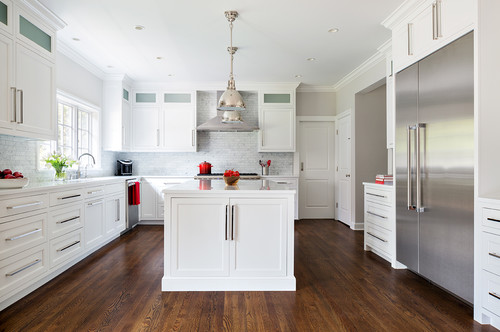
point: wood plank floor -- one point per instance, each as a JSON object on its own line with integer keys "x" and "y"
{"x": 339, "y": 288}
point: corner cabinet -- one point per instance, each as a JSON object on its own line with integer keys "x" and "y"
{"x": 277, "y": 121}
{"x": 27, "y": 78}
{"x": 163, "y": 121}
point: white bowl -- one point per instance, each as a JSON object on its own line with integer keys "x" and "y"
{"x": 13, "y": 183}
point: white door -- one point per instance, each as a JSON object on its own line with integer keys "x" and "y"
{"x": 317, "y": 175}
{"x": 199, "y": 245}
{"x": 258, "y": 237}
{"x": 178, "y": 127}
{"x": 35, "y": 79}
{"x": 6, "y": 82}
{"x": 344, "y": 169}
{"x": 145, "y": 128}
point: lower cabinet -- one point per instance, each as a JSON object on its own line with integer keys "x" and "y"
{"x": 94, "y": 222}
{"x": 152, "y": 204}
{"x": 115, "y": 215}
{"x": 66, "y": 247}
{"x": 221, "y": 237}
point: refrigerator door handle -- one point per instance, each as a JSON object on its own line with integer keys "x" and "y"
{"x": 419, "y": 168}
{"x": 409, "y": 194}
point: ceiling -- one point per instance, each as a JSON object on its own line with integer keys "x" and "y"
{"x": 274, "y": 38}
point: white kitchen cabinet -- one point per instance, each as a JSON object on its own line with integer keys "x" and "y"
{"x": 221, "y": 237}
{"x": 380, "y": 224}
{"x": 115, "y": 219}
{"x": 178, "y": 122}
{"x": 27, "y": 85}
{"x": 148, "y": 201}
{"x": 94, "y": 225}
{"x": 6, "y": 16}
{"x": 116, "y": 115}
{"x": 66, "y": 247}
{"x": 429, "y": 26}
{"x": 277, "y": 129}
{"x": 145, "y": 128}
{"x": 152, "y": 203}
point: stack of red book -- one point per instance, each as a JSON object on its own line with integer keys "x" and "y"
{"x": 383, "y": 179}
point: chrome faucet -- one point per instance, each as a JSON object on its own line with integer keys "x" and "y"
{"x": 79, "y": 172}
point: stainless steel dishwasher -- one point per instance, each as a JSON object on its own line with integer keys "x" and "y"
{"x": 133, "y": 208}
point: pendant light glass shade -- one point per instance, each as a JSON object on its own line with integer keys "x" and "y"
{"x": 231, "y": 99}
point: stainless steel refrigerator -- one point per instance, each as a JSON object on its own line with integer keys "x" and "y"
{"x": 434, "y": 157}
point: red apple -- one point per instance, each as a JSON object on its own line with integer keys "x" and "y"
{"x": 7, "y": 171}
{"x": 18, "y": 174}
{"x": 9, "y": 176}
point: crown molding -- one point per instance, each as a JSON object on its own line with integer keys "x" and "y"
{"x": 47, "y": 16}
{"x": 315, "y": 88}
{"x": 402, "y": 12}
{"x": 79, "y": 59}
{"x": 360, "y": 70}
{"x": 215, "y": 86}
{"x": 386, "y": 48}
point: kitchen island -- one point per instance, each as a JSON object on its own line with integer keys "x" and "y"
{"x": 229, "y": 238}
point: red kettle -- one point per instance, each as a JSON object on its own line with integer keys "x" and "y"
{"x": 205, "y": 168}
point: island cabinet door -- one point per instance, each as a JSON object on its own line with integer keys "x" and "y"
{"x": 198, "y": 239}
{"x": 258, "y": 237}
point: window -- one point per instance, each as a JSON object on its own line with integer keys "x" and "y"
{"x": 77, "y": 130}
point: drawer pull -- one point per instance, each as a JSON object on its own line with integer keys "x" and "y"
{"x": 23, "y": 235}
{"x": 381, "y": 196}
{"x": 492, "y": 219}
{"x": 95, "y": 192}
{"x": 23, "y": 268}
{"x": 495, "y": 295}
{"x": 67, "y": 220}
{"x": 68, "y": 197}
{"x": 24, "y": 205}
{"x": 376, "y": 215}
{"x": 494, "y": 254}
{"x": 375, "y": 236}
{"x": 68, "y": 246}
{"x": 94, "y": 203}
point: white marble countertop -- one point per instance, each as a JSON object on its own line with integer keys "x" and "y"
{"x": 57, "y": 185}
{"x": 388, "y": 185}
{"x": 219, "y": 186}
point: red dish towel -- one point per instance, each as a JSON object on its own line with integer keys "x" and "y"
{"x": 134, "y": 194}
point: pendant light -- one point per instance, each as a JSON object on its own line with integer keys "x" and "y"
{"x": 231, "y": 102}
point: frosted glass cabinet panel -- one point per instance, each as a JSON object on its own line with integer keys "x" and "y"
{"x": 177, "y": 98}
{"x": 35, "y": 34}
{"x": 3, "y": 13}
{"x": 277, "y": 98}
{"x": 145, "y": 97}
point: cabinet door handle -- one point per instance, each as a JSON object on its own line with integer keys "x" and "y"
{"x": 434, "y": 21}
{"x": 68, "y": 246}
{"x": 410, "y": 38}
{"x": 302, "y": 166}
{"x": 14, "y": 104}
{"x": 493, "y": 219}
{"x": 117, "y": 209}
{"x": 22, "y": 105}
{"x": 157, "y": 137}
{"x": 67, "y": 220}
{"x": 23, "y": 235}
{"x": 376, "y": 215}
{"x": 23, "y": 205}
{"x": 381, "y": 196}
{"x": 94, "y": 203}
{"x": 232, "y": 222}
{"x": 93, "y": 192}
{"x": 439, "y": 33}
{"x": 23, "y": 268}
{"x": 225, "y": 228}
{"x": 68, "y": 197}
{"x": 494, "y": 254}
{"x": 375, "y": 236}
{"x": 192, "y": 137}
{"x": 495, "y": 295}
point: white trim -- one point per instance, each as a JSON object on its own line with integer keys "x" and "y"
{"x": 344, "y": 114}
{"x": 361, "y": 69}
{"x": 404, "y": 10}
{"x": 217, "y": 86}
{"x": 310, "y": 118}
{"x": 315, "y": 88}
{"x": 68, "y": 97}
{"x": 64, "y": 49}
{"x": 47, "y": 16}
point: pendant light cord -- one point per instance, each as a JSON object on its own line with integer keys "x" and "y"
{"x": 231, "y": 51}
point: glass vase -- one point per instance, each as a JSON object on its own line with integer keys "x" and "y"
{"x": 60, "y": 175}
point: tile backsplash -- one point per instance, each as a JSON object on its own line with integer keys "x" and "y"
{"x": 224, "y": 150}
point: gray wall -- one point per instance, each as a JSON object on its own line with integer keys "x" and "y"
{"x": 316, "y": 103}
{"x": 224, "y": 150}
{"x": 370, "y": 142}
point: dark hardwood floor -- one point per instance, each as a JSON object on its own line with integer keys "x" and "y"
{"x": 339, "y": 288}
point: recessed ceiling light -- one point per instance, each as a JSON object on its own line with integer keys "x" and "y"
{"x": 333, "y": 30}
{"x": 109, "y": 66}
{"x": 76, "y": 39}
{"x": 171, "y": 75}
{"x": 298, "y": 76}
{"x": 159, "y": 58}
{"x": 139, "y": 27}
{"x": 311, "y": 59}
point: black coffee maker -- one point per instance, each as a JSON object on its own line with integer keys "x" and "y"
{"x": 124, "y": 167}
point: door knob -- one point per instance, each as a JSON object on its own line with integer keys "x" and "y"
{"x": 348, "y": 175}
{"x": 301, "y": 166}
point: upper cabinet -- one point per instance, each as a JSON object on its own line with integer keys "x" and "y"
{"x": 116, "y": 114}
{"x": 277, "y": 121}
{"x": 163, "y": 121}
{"x": 27, "y": 75}
{"x": 422, "y": 27}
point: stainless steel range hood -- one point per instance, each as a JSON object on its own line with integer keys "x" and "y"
{"x": 218, "y": 124}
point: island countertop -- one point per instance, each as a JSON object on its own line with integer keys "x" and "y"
{"x": 218, "y": 186}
